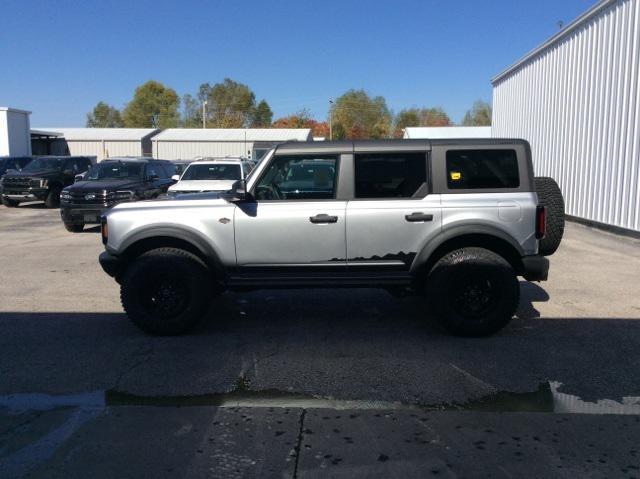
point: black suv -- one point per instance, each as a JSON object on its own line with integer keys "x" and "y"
{"x": 110, "y": 182}
{"x": 42, "y": 179}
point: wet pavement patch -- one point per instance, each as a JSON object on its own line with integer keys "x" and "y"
{"x": 546, "y": 398}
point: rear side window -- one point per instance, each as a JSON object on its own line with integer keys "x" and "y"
{"x": 389, "y": 175}
{"x": 482, "y": 169}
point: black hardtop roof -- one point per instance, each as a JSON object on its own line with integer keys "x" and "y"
{"x": 133, "y": 159}
{"x": 389, "y": 145}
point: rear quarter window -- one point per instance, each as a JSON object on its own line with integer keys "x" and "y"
{"x": 482, "y": 169}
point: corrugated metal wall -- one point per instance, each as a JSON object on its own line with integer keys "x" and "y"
{"x": 186, "y": 150}
{"x": 99, "y": 148}
{"x": 578, "y": 103}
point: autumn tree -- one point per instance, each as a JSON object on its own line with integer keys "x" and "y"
{"x": 299, "y": 119}
{"x": 303, "y": 119}
{"x": 356, "y": 115}
{"x": 408, "y": 117}
{"x": 153, "y": 106}
{"x": 262, "y": 115}
{"x": 479, "y": 115}
{"x": 104, "y": 116}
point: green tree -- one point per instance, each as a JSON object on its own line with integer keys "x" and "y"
{"x": 229, "y": 104}
{"x": 356, "y": 115}
{"x": 104, "y": 116}
{"x": 262, "y": 115}
{"x": 479, "y": 115}
{"x": 153, "y": 106}
{"x": 435, "y": 116}
{"x": 191, "y": 112}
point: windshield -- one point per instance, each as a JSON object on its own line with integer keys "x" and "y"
{"x": 44, "y": 164}
{"x": 212, "y": 172}
{"x": 115, "y": 170}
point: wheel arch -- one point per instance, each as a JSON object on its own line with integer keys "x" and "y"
{"x": 161, "y": 237}
{"x": 479, "y": 236}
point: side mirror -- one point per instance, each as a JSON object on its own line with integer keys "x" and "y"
{"x": 175, "y": 177}
{"x": 238, "y": 192}
{"x": 67, "y": 172}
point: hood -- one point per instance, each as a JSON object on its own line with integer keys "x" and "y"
{"x": 108, "y": 185}
{"x": 202, "y": 185}
{"x": 212, "y": 199}
{"x": 31, "y": 174}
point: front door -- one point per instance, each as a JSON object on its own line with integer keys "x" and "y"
{"x": 296, "y": 219}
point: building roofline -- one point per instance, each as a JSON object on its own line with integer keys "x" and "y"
{"x": 15, "y": 110}
{"x": 561, "y": 35}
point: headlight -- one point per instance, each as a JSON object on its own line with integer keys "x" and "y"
{"x": 65, "y": 195}
{"x": 38, "y": 183}
{"x": 120, "y": 195}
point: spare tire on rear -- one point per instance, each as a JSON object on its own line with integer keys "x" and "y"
{"x": 550, "y": 196}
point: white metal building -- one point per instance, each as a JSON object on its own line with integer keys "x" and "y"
{"x": 576, "y": 99}
{"x": 436, "y": 132}
{"x": 187, "y": 143}
{"x": 102, "y": 142}
{"x": 14, "y": 132}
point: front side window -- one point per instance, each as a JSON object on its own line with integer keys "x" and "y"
{"x": 169, "y": 170}
{"x": 482, "y": 169}
{"x": 298, "y": 178}
{"x": 222, "y": 171}
{"x": 74, "y": 165}
{"x": 113, "y": 170}
{"x": 389, "y": 175}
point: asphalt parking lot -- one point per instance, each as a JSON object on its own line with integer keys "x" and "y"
{"x": 314, "y": 383}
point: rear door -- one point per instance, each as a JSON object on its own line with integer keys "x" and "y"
{"x": 393, "y": 215}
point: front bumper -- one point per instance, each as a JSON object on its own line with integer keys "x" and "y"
{"x": 24, "y": 194}
{"x": 112, "y": 265}
{"x": 82, "y": 214}
{"x": 535, "y": 268}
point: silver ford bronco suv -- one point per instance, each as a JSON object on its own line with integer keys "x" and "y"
{"x": 454, "y": 220}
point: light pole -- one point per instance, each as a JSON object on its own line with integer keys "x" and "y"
{"x": 330, "y": 119}
{"x": 204, "y": 114}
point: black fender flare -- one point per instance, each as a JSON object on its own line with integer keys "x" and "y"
{"x": 181, "y": 233}
{"x": 424, "y": 255}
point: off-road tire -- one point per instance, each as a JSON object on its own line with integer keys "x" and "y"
{"x": 10, "y": 203}
{"x": 153, "y": 281}
{"x": 53, "y": 197}
{"x": 452, "y": 288}
{"x": 74, "y": 227}
{"x": 550, "y": 196}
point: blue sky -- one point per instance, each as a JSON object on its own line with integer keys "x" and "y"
{"x": 59, "y": 58}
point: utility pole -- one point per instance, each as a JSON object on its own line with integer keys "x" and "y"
{"x": 204, "y": 114}
{"x": 330, "y": 119}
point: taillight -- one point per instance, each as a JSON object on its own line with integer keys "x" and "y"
{"x": 541, "y": 221}
{"x": 104, "y": 229}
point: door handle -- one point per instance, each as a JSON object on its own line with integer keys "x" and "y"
{"x": 322, "y": 218}
{"x": 418, "y": 216}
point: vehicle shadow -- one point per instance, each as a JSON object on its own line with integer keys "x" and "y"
{"x": 349, "y": 344}
{"x": 530, "y": 293}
